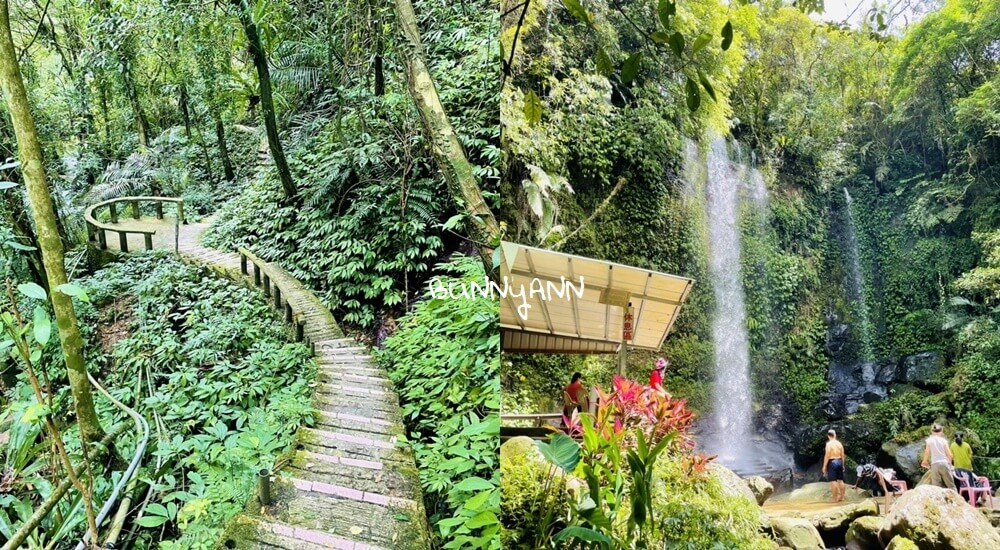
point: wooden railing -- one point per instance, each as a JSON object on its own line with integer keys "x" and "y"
{"x": 97, "y": 231}
{"x": 260, "y": 273}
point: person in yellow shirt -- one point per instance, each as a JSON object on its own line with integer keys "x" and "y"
{"x": 962, "y": 452}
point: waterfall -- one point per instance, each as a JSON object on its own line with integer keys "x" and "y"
{"x": 855, "y": 282}
{"x": 732, "y": 410}
{"x": 719, "y": 188}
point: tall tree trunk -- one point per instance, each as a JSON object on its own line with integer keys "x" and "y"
{"x": 106, "y": 125}
{"x": 220, "y": 137}
{"x": 22, "y": 228}
{"x": 185, "y": 114}
{"x": 30, "y": 153}
{"x": 447, "y": 150}
{"x": 266, "y": 101}
{"x": 141, "y": 122}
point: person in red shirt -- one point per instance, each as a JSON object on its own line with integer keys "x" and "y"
{"x": 575, "y": 396}
{"x": 656, "y": 376}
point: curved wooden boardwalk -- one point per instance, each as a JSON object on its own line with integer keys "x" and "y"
{"x": 351, "y": 481}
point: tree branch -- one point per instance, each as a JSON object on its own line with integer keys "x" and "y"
{"x": 597, "y": 212}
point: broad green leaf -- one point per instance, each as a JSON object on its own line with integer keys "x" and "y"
{"x": 42, "y": 325}
{"x": 581, "y": 533}
{"x": 700, "y": 42}
{"x": 473, "y": 484}
{"x": 630, "y": 69}
{"x": 152, "y": 521}
{"x": 157, "y": 509}
{"x": 693, "y": 95}
{"x": 660, "y": 37}
{"x": 482, "y": 519}
{"x": 31, "y": 290}
{"x": 677, "y": 44}
{"x": 532, "y": 108}
{"x": 577, "y": 10}
{"x": 562, "y": 451}
{"x": 33, "y": 413}
{"x": 4, "y": 185}
{"x": 74, "y": 291}
{"x": 605, "y": 66}
{"x": 707, "y": 84}
{"x": 664, "y": 10}
{"x": 727, "y": 35}
{"x": 18, "y": 246}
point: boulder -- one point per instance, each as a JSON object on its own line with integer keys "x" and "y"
{"x": 901, "y": 543}
{"x": 732, "y": 484}
{"x": 812, "y": 503}
{"x": 796, "y": 533}
{"x": 939, "y": 519}
{"x": 905, "y": 458}
{"x": 887, "y": 371}
{"x": 851, "y": 386}
{"x": 760, "y": 488}
{"x": 862, "y": 534}
{"x": 920, "y": 367}
{"x": 838, "y": 336}
{"x": 839, "y": 518}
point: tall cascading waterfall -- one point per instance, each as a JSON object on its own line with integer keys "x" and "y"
{"x": 855, "y": 282}
{"x": 720, "y": 185}
{"x": 732, "y": 404}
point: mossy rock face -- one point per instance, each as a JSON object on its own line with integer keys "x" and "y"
{"x": 863, "y": 533}
{"x": 796, "y": 533}
{"x": 901, "y": 543}
{"x": 939, "y": 519}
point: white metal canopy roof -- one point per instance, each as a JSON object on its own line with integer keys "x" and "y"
{"x": 587, "y": 321}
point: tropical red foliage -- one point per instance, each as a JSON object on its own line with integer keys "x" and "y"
{"x": 632, "y": 406}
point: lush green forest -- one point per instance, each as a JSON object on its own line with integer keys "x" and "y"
{"x": 877, "y": 146}
{"x": 353, "y": 145}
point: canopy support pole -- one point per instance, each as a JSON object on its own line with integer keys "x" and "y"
{"x": 622, "y": 358}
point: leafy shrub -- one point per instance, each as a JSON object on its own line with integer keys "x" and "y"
{"x": 642, "y": 487}
{"x": 217, "y": 373}
{"x": 695, "y": 513}
{"x": 526, "y": 483}
{"x": 367, "y": 234}
{"x": 444, "y": 360}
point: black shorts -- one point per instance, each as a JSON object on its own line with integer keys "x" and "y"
{"x": 835, "y": 470}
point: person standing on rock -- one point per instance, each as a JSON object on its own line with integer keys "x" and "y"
{"x": 833, "y": 461}
{"x": 937, "y": 460}
{"x": 962, "y": 452}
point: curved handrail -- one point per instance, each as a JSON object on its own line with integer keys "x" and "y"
{"x": 96, "y": 229}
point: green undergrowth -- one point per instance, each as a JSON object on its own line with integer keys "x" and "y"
{"x": 211, "y": 360}
{"x": 209, "y": 367}
{"x": 444, "y": 360}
